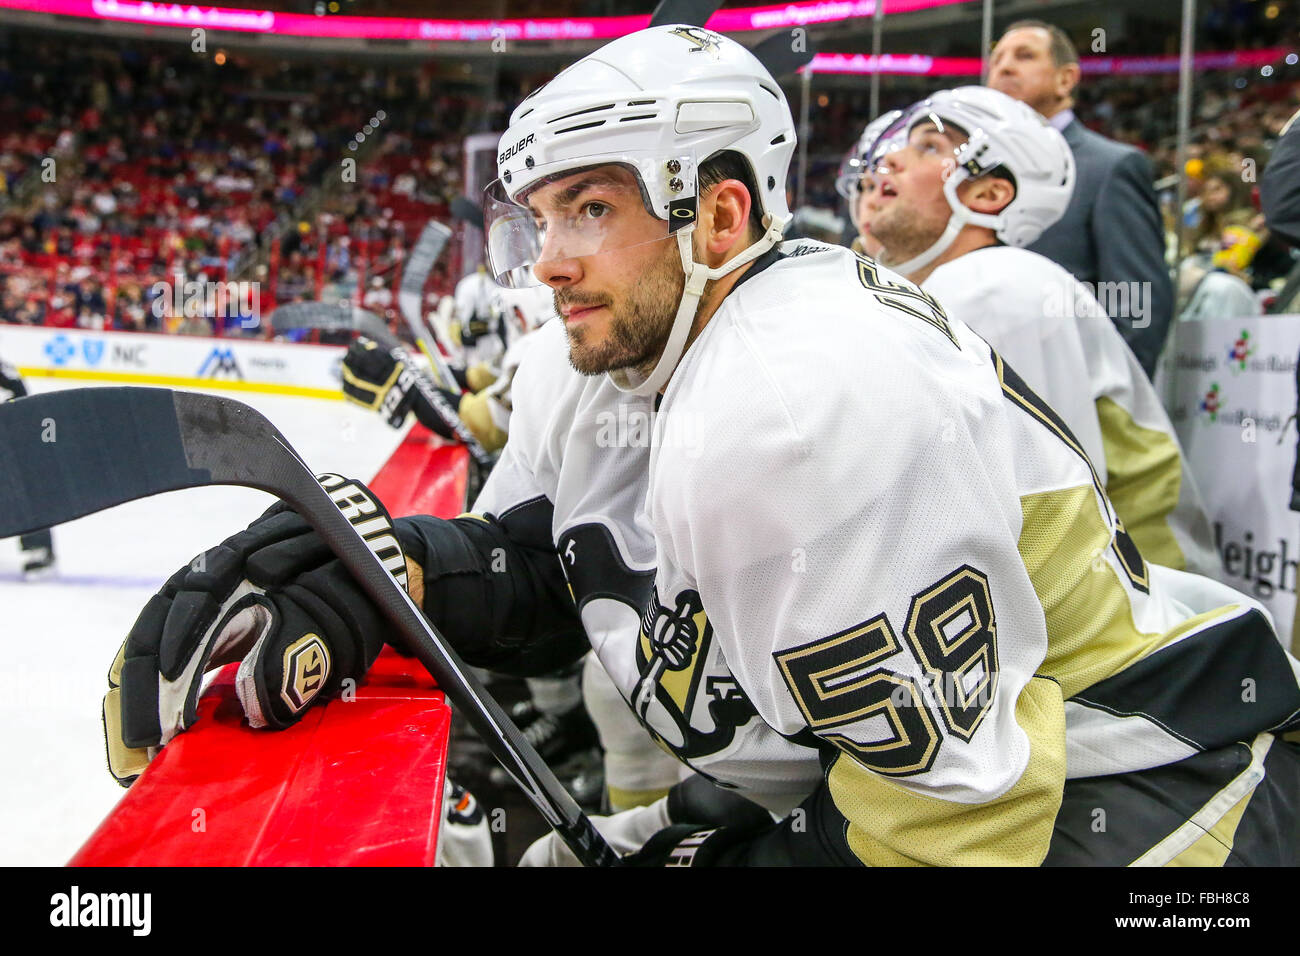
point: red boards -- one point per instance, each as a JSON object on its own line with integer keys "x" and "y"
{"x": 358, "y": 782}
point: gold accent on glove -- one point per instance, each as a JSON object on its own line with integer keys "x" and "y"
{"x": 479, "y": 377}
{"x": 124, "y": 763}
{"x": 477, "y": 416}
{"x": 379, "y": 391}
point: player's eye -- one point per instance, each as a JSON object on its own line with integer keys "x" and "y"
{"x": 595, "y": 210}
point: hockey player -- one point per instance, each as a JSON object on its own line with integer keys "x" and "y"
{"x": 954, "y": 213}
{"x": 38, "y": 547}
{"x": 557, "y": 717}
{"x": 851, "y": 567}
{"x": 857, "y": 186}
{"x": 383, "y": 379}
{"x": 482, "y": 321}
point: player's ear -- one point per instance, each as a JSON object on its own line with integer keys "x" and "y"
{"x": 726, "y": 219}
{"x": 989, "y": 194}
{"x": 1067, "y": 78}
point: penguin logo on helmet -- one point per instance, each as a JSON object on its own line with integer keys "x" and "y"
{"x": 707, "y": 40}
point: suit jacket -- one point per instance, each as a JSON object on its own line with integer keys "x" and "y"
{"x": 1112, "y": 232}
{"x": 1279, "y": 189}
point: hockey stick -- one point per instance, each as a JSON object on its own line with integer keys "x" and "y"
{"x": 692, "y": 12}
{"x": 410, "y": 297}
{"x": 451, "y": 418}
{"x": 345, "y": 317}
{"x": 71, "y": 453}
{"x": 342, "y": 317}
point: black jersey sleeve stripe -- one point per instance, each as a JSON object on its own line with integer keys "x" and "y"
{"x": 1222, "y": 684}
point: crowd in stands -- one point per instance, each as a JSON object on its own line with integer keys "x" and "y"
{"x": 151, "y": 161}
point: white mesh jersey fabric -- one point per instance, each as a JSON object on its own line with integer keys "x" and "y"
{"x": 1049, "y": 327}
{"x": 821, "y": 457}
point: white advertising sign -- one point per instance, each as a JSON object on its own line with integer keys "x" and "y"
{"x": 176, "y": 360}
{"x": 1231, "y": 392}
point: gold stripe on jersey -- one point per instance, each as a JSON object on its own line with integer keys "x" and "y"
{"x": 1213, "y": 848}
{"x": 1144, "y": 472}
{"x": 1125, "y": 550}
{"x": 1091, "y": 634}
{"x": 1206, "y": 839}
{"x": 891, "y": 825}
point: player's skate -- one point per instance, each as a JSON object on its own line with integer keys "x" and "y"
{"x": 569, "y": 745}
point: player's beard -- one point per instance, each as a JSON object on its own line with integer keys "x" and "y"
{"x": 906, "y": 233}
{"x": 639, "y": 322}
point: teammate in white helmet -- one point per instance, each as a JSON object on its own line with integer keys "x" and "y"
{"x": 831, "y": 550}
{"x": 954, "y": 211}
{"x": 855, "y": 183}
{"x": 487, "y": 329}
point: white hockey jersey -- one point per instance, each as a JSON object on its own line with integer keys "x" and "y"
{"x": 850, "y": 549}
{"x": 1058, "y": 338}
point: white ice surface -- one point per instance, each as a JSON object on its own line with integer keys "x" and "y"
{"x": 62, "y": 633}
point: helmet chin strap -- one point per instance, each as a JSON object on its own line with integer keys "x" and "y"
{"x": 960, "y": 216}
{"x": 697, "y": 275}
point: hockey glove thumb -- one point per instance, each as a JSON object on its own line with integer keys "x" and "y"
{"x": 274, "y": 598}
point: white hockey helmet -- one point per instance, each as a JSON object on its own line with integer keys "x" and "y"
{"x": 1003, "y": 135}
{"x": 848, "y": 182}
{"x": 658, "y": 102}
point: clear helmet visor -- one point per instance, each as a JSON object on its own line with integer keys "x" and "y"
{"x": 848, "y": 181}
{"x": 918, "y": 131}
{"x": 565, "y": 212}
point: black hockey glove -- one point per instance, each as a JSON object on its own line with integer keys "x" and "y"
{"x": 382, "y": 380}
{"x": 273, "y": 597}
{"x": 710, "y": 827}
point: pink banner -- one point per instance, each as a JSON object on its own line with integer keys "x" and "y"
{"x": 917, "y": 64}
{"x": 739, "y": 20}
{"x": 1231, "y": 60}
{"x": 189, "y": 17}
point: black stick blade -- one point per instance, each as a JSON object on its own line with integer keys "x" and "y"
{"x": 71, "y": 453}
{"x": 340, "y": 317}
{"x": 783, "y": 54}
{"x": 690, "y": 12}
{"x": 466, "y": 210}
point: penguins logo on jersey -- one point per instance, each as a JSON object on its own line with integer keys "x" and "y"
{"x": 674, "y": 656}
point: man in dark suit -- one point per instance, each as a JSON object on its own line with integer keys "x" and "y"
{"x": 1279, "y": 190}
{"x": 1112, "y": 235}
